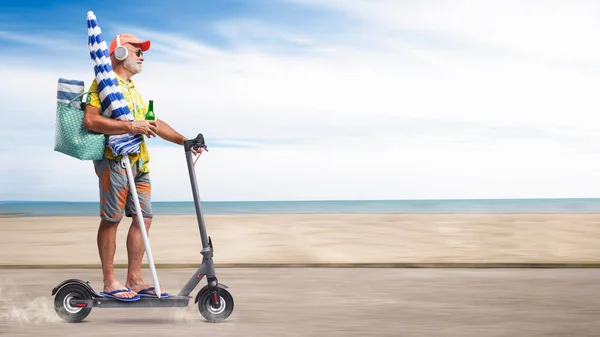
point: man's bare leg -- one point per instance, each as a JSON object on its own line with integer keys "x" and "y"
{"x": 135, "y": 252}
{"x": 107, "y": 237}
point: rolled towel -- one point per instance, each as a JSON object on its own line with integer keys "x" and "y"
{"x": 68, "y": 90}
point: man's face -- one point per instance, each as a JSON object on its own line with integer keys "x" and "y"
{"x": 134, "y": 61}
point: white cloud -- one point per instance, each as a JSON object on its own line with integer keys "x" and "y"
{"x": 538, "y": 27}
{"x": 426, "y": 168}
{"x": 495, "y": 100}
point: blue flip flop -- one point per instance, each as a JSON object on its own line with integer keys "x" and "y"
{"x": 112, "y": 295}
{"x": 146, "y": 293}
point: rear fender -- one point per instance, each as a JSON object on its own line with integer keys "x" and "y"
{"x": 84, "y": 284}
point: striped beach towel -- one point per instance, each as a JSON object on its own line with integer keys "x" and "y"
{"x": 68, "y": 90}
{"x": 113, "y": 102}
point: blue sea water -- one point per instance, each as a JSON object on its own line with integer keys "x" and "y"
{"x": 545, "y": 206}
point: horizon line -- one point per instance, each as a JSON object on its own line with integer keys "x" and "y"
{"x": 312, "y": 200}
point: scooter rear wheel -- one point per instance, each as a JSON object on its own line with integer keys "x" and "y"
{"x": 63, "y": 307}
{"x": 219, "y": 312}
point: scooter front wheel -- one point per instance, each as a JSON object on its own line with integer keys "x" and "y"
{"x": 63, "y": 306}
{"x": 215, "y": 312}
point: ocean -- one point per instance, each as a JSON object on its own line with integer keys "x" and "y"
{"x": 489, "y": 206}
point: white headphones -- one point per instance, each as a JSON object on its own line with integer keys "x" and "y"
{"x": 121, "y": 52}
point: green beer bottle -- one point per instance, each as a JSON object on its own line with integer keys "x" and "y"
{"x": 150, "y": 116}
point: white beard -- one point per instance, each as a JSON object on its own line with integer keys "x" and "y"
{"x": 132, "y": 65}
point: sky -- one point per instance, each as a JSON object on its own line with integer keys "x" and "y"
{"x": 323, "y": 100}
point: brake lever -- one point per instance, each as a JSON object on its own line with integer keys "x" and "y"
{"x": 195, "y": 143}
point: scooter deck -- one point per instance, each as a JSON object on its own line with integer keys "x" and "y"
{"x": 144, "y": 302}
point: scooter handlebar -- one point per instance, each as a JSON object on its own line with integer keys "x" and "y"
{"x": 195, "y": 143}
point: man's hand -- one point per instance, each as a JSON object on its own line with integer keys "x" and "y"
{"x": 197, "y": 151}
{"x": 147, "y": 128}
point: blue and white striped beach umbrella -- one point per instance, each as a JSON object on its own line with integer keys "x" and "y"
{"x": 113, "y": 102}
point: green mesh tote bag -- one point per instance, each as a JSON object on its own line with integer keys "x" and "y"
{"x": 71, "y": 137}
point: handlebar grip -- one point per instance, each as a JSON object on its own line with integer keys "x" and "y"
{"x": 195, "y": 143}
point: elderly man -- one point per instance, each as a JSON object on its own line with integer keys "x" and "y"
{"x": 127, "y": 57}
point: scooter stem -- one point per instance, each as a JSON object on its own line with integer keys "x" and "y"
{"x": 196, "y": 194}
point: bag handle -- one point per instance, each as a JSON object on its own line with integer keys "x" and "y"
{"x": 83, "y": 93}
{"x": 80, "y": 95}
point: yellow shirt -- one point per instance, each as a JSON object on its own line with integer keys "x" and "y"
{"x": 138, "y": 106}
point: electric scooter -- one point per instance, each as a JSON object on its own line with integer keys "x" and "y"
{"x": 74, "y": 298}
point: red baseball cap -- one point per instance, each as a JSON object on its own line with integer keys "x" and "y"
{"x": 128, "y": 38}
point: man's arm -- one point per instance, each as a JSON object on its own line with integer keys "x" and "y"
{"x": 166, "y": 132}
{"x": 94, "y": 121}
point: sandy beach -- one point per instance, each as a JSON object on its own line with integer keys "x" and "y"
{"x": 313, "y": 239}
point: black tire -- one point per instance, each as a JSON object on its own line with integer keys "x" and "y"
{"x": 65, "y": 310}
{"x": 220, "y": 313}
